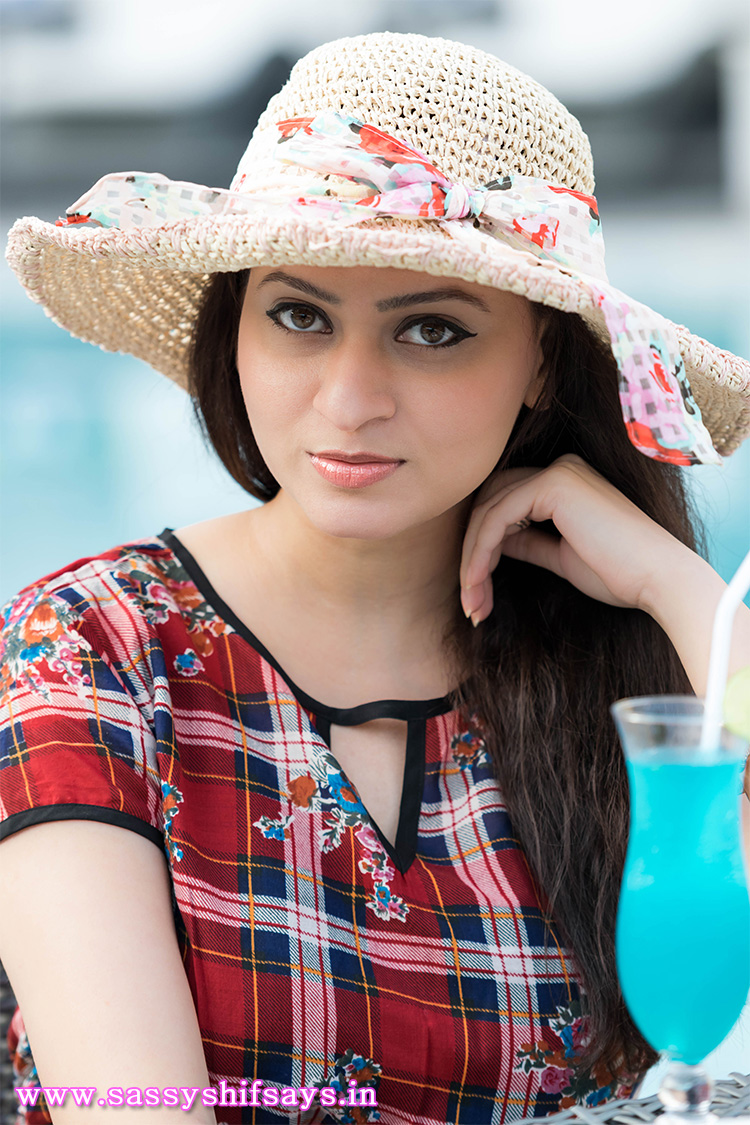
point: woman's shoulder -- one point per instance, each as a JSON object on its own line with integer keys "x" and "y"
{"x": 115, "y": 603}
{"x": 94, "y": 582}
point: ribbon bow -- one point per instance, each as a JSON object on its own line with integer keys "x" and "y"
{"x": 390, "y": 178}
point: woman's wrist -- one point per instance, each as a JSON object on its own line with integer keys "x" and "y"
{"x": 683, "y": 599}
{"x": 680, "y": 576}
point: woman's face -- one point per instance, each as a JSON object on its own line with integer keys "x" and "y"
{"x": 426, "y": 371}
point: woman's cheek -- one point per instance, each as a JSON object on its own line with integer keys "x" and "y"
{"x": 272, "y": 391}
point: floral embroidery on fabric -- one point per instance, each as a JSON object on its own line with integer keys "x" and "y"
{"x": 326, "y": 790}
{"x": 167, "y": 588}
{"x": 387, "y": 905}
{"x": 347, "y": 811}
{"x": 375, "y": 863}
{"x": 24, "y": 1071}
{"x": 171, "y": 798}
{"x": 187, "y": 663}
{"x": 365, "y": 1074}
{"x": 469, "y": 748}
{"x": 557, "y": 1062}
{"x": 39, "y": 628}
{"x": 274, "y": 829}
{"x": 346, "y": 796}
{"x": 301, "y": 790}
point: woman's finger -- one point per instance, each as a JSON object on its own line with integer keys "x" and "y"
{"x": 607, "y": 547}
{"x": 478, "y": 600}
{"x": 525, "y": 544}
{"x": 477, "y": 597}
{"x": 531, "y": 499}
{"x": 483, "y": 505}
{"x": 496, "y": 522}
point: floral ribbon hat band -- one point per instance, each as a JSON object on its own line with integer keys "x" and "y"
{"x": 327, "y": 172}
{"x": 396, "y": 180}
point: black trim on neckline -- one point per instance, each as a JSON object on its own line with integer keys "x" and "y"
{"x": 341, "y": 716}
{"x": 407, "y": 832}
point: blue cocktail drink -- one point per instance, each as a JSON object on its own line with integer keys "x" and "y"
{"x": 683, "y": 923}
{"x": 683, "y": 920}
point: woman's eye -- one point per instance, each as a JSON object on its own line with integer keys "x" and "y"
{"x": 295, "y": 318}
{"x": 427, "y": 331}
{"x": 432, "y": 332}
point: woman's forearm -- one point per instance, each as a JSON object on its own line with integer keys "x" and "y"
{"x": 684, "y": 603}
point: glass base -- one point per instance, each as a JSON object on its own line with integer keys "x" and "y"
{"x": 686, "y": 1093}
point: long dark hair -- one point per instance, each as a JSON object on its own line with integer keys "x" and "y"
{"x": 543, "y": 669}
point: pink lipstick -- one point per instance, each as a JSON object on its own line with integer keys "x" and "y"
{"x": 352, "y": 474}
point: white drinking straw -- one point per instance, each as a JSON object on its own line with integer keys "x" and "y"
{"x": 718, "y": 665}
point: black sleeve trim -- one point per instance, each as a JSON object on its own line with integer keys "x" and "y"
{"x": 47, "y": 813}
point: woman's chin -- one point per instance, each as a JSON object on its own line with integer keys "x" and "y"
{"x": 359, "y": 525}
{"x": 377, "y": 512}
{"x": 352, "y": 514}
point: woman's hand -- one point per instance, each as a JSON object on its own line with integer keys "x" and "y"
{"x": 609, "y": 548}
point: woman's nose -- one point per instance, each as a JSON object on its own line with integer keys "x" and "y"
{"x": 354, "y": 386}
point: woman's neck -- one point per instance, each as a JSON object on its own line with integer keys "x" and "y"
{"x": 389, "y": 596}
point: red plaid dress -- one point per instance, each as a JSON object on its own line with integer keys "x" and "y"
{"x": 317, "y": 953}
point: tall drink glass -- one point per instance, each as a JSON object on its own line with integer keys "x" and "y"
{"x": 683, "y": 920}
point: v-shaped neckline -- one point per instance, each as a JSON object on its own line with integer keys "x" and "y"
{"x": 341, "y": 716}
{"x": 320, "y": 716}
{"x": 403, "y": 850}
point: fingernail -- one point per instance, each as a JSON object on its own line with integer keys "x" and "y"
{"x": 475, "y": 618}
{"x": 471, "y": 599}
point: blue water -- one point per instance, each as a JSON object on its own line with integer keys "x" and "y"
{"x": 97, "y": 448}
{"x": 683, "y": 922}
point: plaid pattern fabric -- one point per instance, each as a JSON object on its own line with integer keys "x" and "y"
{"x": 317, "y": 953}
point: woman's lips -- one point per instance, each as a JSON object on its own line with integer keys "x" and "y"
{"x": 353, "y": 475}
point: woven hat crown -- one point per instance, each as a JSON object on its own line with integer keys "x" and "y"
{"x": 475, "y": 117}
{"x": 130, "y": 264}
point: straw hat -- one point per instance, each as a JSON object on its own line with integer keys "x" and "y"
{"x": 386, "y": 150}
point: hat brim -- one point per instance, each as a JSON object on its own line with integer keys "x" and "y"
{"x": 138, "y": 291}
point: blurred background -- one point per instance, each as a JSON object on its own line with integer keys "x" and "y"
{"x": 98, "y": 449}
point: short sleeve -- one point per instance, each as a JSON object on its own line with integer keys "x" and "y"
{"x": 75, "y": 703}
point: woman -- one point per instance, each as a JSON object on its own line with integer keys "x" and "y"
{"x": 365, "y": 723}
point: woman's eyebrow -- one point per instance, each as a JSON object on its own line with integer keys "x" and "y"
{"x": 382, "y": 306}
{"x": 303, "y": 286}
{"x": 431, "y": 295}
